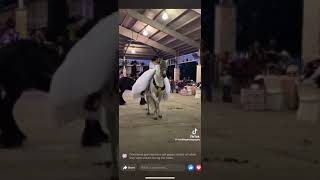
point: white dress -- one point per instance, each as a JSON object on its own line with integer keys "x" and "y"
{"x": 151, "y": 65}
{"x": 143, "y": 82}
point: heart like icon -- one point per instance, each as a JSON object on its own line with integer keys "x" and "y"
{"x": 198, "y": 167}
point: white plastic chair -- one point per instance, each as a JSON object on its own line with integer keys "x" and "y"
{"x": 309, "y": 108}
{"x": 274, "y": 93}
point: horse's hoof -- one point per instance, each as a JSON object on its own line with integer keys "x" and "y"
{"x": 160, "y": 116}
{"x": 143, "y": 101}
{"x": 9, "y": 141}
{"x": 122, "y": 103}
{"x": 148, "y": 113}
{"x": 94, "y": 136}
{"x": 155, "y": 118}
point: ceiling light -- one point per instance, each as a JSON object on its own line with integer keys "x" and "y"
{"x": 164, "y": 16}
{"x": 145, "y": 33}
{"x": 133, "y": 51}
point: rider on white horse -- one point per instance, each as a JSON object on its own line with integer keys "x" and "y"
{"x": 154, "y": 61}
{"x": 153, "y": 80}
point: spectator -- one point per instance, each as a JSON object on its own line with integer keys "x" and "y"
{"x": 9, "y": 35}
{"x": 172, "y": 84}
{"x": 38, "y": 36}
{"x": 227, "y": 86}
{"x": 207, "y": 61}
{"x": 63, "y": 45}
{"x": 134, "y": 70}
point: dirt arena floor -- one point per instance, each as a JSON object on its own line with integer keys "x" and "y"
{"x": 258, "y": 145}
{"x": 237, "y": 145}
{"x": 50, "y": 153}
{"x": 140, "y": 133}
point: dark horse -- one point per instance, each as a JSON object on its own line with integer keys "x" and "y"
{"x": 24, "y": 65}
{"x": 126, "y": 83}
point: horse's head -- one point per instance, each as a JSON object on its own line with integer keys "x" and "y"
{"x": 162, "y": 69}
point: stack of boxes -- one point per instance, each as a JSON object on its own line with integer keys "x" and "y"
{"x": 253, "y": 99}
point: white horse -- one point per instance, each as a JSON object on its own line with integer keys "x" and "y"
{"x": 157, "y": 90}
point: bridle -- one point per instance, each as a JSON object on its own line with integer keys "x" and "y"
{"x": 158, "y": 87}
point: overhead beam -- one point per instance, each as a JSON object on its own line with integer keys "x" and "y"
{"x": 139, "y": 46}
{"x": 181, "y": 26}
{"x": 138, "y": 57}
{"x": 144, "y": 27}
{"x": 187, "y": 22}
{"x": 140, "y": 54}
{"x": 197, "y": 11}
{"x": 187, "y": 33}
{"x": 168, "y": 22}
{"x": 139, "y": 38}
{"x": 163, "y": 28}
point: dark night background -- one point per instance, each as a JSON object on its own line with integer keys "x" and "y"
{"x": 260, "y": 20}
{"x": 257, "y": 20}
{"x": 266, "y": 19}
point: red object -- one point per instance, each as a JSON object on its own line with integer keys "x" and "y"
{"x": 198, "y": 168}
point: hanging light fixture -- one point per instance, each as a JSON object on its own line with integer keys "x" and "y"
{"x": 145, "y": 33}
{"x": 165, "y": 15}
{"x": 133, "y": 51}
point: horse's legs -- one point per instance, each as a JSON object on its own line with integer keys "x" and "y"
{"x": 142, "y": 100}
{"x": 156, "y": 105}
{"x": 11, "y": 135}
{"x": 148, "y": 103}
{"x": 156, "y": 114}
{"x": 113, "y": 127}
{"x": 122, "y": 101}
{"x": 93, "y": 134}
{"x": 159, "y": 112}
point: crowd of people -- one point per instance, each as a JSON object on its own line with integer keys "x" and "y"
{"x": 257, "y": 60}
{"x": 176, "y": 86}
{"x": 62, "y": 43}
{"x": 241, "y": 70}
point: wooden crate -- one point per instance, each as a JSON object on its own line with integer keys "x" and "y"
{"x": 254, "y": 107}
{"x": 253, "y": 99}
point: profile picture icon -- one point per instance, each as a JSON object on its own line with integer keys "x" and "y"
{"x": 124, "y": 156}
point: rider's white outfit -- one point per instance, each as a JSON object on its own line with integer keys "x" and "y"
{"x": 151, "y": 65}
{"x": 144, "y": 80}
